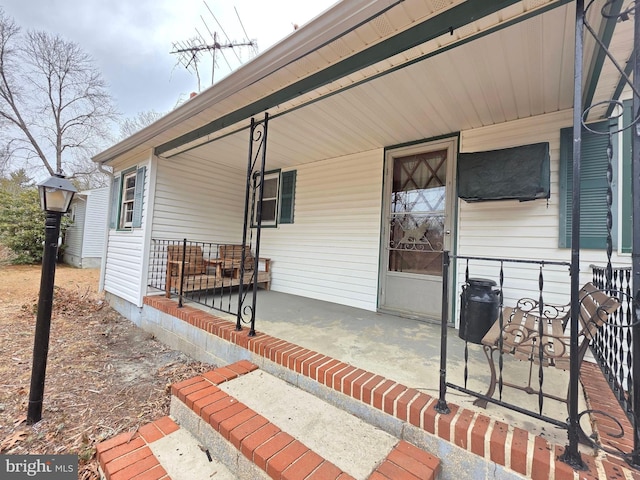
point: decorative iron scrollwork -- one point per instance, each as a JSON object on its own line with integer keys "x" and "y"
{"x": 612, "y": 10}
{"x": 414, "y": 232}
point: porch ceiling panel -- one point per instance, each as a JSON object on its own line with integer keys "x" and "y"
{"x": 452, "y": 82}
{"x": 520, "y": 71}
{"x": 621, "y": 48}
{"x": 332, "y": 58}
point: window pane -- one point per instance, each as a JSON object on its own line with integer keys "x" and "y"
{"x": 270, "y": 188}
{"x": 418, "y": 201}
{"x": 425, "y": 263}
{"x": 415, "y": 244}
{"x": 269, "y": 210}
{"x": 128, "y": 194}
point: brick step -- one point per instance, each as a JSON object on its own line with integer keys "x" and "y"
{"x": 160, "y": 450}
{"x": 259, "y": 421}
{"x": 218, "y": 432}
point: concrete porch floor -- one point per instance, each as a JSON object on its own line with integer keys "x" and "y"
{"x": 406, "y": 351}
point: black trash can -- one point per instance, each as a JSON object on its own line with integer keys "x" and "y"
{"x": 479, "y": 308}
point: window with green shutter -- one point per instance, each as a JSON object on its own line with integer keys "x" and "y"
{"x": 593, "y": 187}
{"x": 278, "y": 200}
{"x": 127, "y": 193}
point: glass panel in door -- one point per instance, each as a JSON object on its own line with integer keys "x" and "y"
{"x": 417, "y": 217}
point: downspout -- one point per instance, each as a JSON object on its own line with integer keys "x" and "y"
{"x": 103, "y": 260}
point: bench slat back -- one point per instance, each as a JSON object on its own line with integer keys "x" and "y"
{"x": 193, "y": 259}
{"x": 595, "y": 308}
{"x": 232, "y": 255}
{"x": 521, "y": 334}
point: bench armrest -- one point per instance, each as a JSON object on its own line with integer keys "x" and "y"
{"x": 267, "y": 263}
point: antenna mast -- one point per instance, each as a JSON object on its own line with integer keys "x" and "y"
{"x": 190, "y": 51}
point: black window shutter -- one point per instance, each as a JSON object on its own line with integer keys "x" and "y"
{"x": 115, "y": 197}
{"x": 138, "y": 197}
{"x": 593, "y": 187}
{"x": 287, "y": 196}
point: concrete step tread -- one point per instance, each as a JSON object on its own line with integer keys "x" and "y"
{"x": 351, "y": 444}
{"x": 184, "y": 458}
{"x": 159, "y": 450}
{"x": 289, "y": 433}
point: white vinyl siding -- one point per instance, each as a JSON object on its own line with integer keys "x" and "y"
{"x": 75, "y": 231}
{"x": 198, "y": 201}
{"x": 123, "y": 271}
{"x": 84, "y": 238}
{"x": 95, "y": 222}
{"x": 523, "y": 230}
{"x": 331, "y": 252}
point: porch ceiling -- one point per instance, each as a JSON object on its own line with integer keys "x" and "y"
{"x": 391, "y": 72}
{"x": 523, "y": 70}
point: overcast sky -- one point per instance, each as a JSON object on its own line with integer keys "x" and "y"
{"x": 130, "y": 40}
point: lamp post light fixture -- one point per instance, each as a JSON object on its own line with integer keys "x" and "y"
{"x": 56, "y": 194}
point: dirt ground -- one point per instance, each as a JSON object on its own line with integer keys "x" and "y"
{"x": 104, "y": 375}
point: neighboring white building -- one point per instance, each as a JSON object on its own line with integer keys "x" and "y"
{"x": 84, "y": 238}
{"x": 372, "y": 106}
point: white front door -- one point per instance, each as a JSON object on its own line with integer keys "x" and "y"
{"x": 418, "y": 203}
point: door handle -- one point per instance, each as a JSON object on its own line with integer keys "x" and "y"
{"x": 447, "y": 232}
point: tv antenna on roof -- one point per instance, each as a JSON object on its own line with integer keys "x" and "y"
{"x": 190, "y": 52}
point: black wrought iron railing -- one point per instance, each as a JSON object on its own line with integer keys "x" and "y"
{"x": 538, "y": 332}
{"x": 613, "y": 344}
{"x": 493, "y": 294}
{"x": 221, "y": 275}
{"x": 216, "y": 275}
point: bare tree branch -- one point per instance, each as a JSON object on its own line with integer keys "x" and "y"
{"x": 131, "y": 125}
{"x": 52, "y": 97}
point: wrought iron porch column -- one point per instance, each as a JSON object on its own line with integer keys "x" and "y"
{"x": 571, "y": 455}
{"x": 441, "y": 406}
{"x": 257, "y": 135}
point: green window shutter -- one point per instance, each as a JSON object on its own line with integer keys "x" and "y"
{"x": 138, "y": 197}
{"x": 115, "y": 197}
{"x": 593, "y": 187}
{"x": 626, "y": 206}
{"x": 287, "y": 196}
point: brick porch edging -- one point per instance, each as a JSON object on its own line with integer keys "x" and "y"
{"x": 475, "y": 432}
{"x": 600, "y": 397}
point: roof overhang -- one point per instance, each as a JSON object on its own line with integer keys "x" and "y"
{"x": 390, "y": 72}
{"x": 342, "y": 17}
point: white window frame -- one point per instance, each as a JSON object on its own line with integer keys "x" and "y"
{"x": 274, "y": 174}
{"x": 127, "y": 204}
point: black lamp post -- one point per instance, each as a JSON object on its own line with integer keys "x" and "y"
{"x": 56, "y": 194}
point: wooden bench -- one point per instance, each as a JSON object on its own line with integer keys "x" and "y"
{"x": 521, "y": 337}
{"x": 202, "y": 273}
